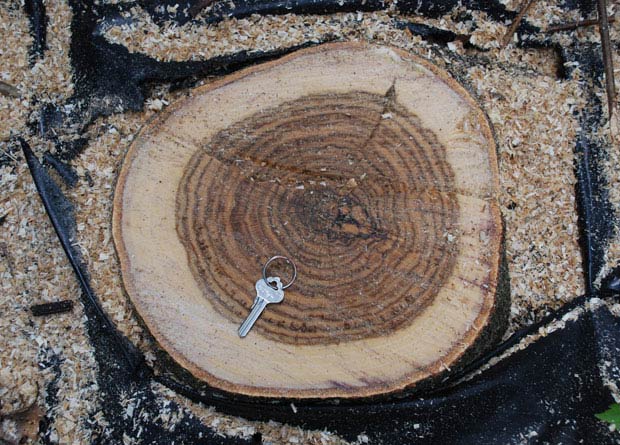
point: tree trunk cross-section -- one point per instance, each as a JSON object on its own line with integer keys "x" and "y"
{"x": 373, "y": 170}
{"x": 367, "y": 227}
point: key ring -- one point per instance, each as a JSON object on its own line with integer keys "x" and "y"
{"x": 280, "y": 257}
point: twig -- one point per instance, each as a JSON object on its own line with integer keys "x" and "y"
{"x": 603, "y": 26}
{"x": 55, "y": 307}
{"x": 8, "y": 155}
{"x": 8, "y": 90}
{"x": 525, "y": 6}
{"x": 574, "y": 25}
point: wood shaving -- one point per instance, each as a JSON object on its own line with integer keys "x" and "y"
{"x": 15, "y": 35}
{"x": 531, "y": 110}
{"x": 533, "y": 119}
{"x": 610, "y": 134}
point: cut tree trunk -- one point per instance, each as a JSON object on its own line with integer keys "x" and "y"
{"x": 372, "y": 169}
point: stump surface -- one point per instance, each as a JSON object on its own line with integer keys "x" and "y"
{"x": 373, "y": 170}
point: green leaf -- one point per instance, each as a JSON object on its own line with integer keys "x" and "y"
{"x": 612, "y": 415}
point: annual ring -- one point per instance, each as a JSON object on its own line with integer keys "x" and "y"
{"x": 352, "y": 185}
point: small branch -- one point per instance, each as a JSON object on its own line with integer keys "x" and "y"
{"x": 8, "y": 155}
{"x": 603, "y": 26}
{"x": 8, "y": 90}
{"x": 574, "y": 25}
{"x": 525, "y": 6}
{"x": 55, "y": 307}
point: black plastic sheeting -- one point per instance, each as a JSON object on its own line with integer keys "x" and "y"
{"x": 187, "y": 10}
{"x": 548, "y": 392}
{"x": 109, "y": 79}
{"x": 595, "y": 212}
{"x": 38, "y": 27}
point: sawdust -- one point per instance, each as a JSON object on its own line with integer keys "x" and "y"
{"x": 532, "y": 117}
{"x": 531, "y": 110}
{"x": 536, "y": 164}
{"x": 35, "y": 270}
{"x": 14, "y": 69}
{"x": 610, "y": 134}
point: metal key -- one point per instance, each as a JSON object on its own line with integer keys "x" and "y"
{"x": 265, "y": 294}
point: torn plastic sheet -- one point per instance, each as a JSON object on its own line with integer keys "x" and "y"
{"x": 547, "y": 392}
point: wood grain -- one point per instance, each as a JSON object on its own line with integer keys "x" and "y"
{"x": 295, "y": 177}
{"x": 372, "y": 169}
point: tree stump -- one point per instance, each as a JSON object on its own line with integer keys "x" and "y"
{"x": 372, "y": 169}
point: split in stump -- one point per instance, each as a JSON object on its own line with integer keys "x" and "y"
{"x": 373, "y": 170}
